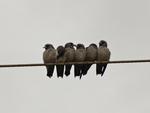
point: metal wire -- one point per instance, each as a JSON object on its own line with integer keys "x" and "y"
{"x": 95, "y": 62}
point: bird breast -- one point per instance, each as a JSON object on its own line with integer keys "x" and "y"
{"x": 69, "y": 54}
{"x": 61, "y": 59}
{"x": 103, "y": 54}
{"x": 49, "y": 56}
{"x": 91, "y": 54}
{"x": 80, "y": 54}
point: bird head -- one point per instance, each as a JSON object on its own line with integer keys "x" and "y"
{"x": 80, "y": 46}
{"x": 93, "y": 45}
{"x": 69, "y": 45}
{"x": 47, "y": 46}
{"x": 103, "y": 43}
{"x": 60, "y": 51}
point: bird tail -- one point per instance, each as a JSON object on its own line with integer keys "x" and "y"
{"x": 103, "y": 69}
{"x": 86, "y": 68}
{"x": 60, "y": 70}
{"x": 81, "y": 67}
{"x": 76, "y": 70}
{"x": 98, "y": 69}
{"x": 50, "y": 70}
{"x": 67, "y": 70}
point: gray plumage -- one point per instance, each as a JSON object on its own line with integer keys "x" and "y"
{"x": 69, "y": 56}
{"x": 91, "y": 55}
{"x": 49, "y": 56}
{"x": 103, "y": 55}
{"x": 60, "y": 59}
{"x": 80, "y": 55}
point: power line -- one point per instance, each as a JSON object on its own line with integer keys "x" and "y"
{"x": 95, "y": 62}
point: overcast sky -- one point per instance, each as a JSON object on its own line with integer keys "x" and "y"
{"x": 26, "y": 25}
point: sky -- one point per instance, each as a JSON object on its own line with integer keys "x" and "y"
{"x": 27, "y": 25}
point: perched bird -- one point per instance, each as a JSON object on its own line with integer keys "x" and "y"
{"x": 103, "y": 55}
{"x": 49, "y": 56}
{"x": 80, "y": 55}
{"x": 69, "y": 56}
{"x": 91, "y": 55}
{"x": 60, "y": 59}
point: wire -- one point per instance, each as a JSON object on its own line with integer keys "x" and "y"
{"x": 95, "y": 62}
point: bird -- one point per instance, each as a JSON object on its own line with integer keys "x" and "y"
{"x": 91, "y": 55}
{"x": 69, "y": 56}
{"x": 60, "y": 59}
{"x": 103, "y": 55}
{"x": 49, "y": 56}
{"x": 80, "y": 55}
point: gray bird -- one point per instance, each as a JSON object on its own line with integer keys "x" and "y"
{"x": 103, "y": 55}
{"x": 69, "y": 56}
{"x": 91, "y": 55}
{"x": 80, "y": 55}
{"x": 49, "y": 56}
{"x": 60, "y": 59}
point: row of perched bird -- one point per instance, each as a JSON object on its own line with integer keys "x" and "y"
{"x": 68, "y": 53}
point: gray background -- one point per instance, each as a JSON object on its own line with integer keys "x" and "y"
{"x": 26, "y": 25}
